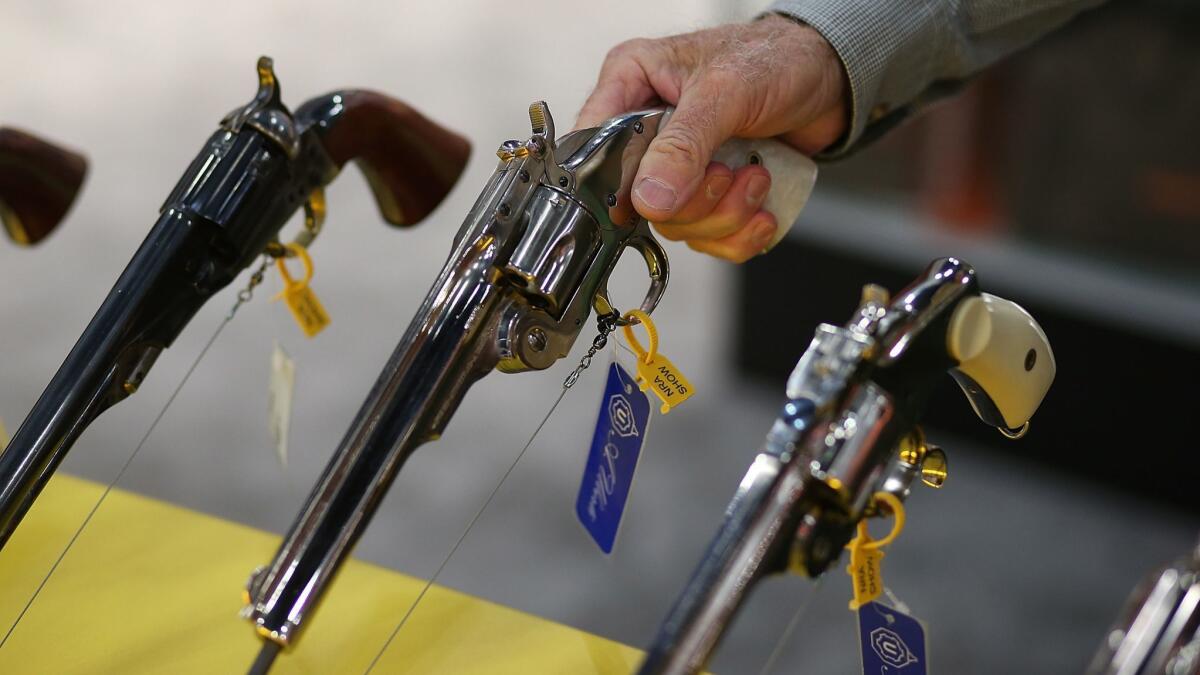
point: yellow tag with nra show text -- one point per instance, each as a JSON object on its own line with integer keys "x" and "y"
{"x": 655, "y": 372}
{"x": 866, "y": 554}
{"x": 298, "y": 295}
{"x": 866, "y": 573}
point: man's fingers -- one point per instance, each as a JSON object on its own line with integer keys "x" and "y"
{"x": 604, "y": 100}
{"x": 612, "y": 96}
{"x": 622, "y": 85}
{"x": 753, "y": 239}
{"x": 728, "y": 214}
{"x": 675, "y": 162}
{"x": 718, "y": 179}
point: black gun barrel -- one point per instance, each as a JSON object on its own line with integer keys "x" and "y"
{"x": 247, "y": 181}
{"x": 237, "y": 194}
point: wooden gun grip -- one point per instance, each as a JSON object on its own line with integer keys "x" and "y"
{"x": 410, "y": 161}
{"x": 38, "y": 184}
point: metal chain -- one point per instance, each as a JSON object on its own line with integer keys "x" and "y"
{"x": 256, "y": 279}
{"x": 607, "y": 323}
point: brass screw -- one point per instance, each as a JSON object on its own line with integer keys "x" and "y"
{"x": 934, "y": 469}
{"x": 912, "y": 447}
{"x": 536, "y": 339}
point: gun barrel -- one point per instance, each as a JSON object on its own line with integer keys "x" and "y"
{"x": 1159, "y": 627}
{"x": 422, "y": 384}
{"x": 233, "y": 199}
{"x": 769, "y": 527}
{"x": 107, "y": 364}
{"x": 229, "y": 205}
{"x": 527, "y": 267}
{"x": 751, "y": 543}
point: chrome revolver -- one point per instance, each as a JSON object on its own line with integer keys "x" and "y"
{"x": 849, "y": 430}
{"x": 1158, "y": 632}
{"x": 528, "y": 265}
{"x": 262, "y": 165}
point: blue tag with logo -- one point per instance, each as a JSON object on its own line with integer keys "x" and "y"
{"x": 892, "y": 642}
{"x": 616, "y": 446}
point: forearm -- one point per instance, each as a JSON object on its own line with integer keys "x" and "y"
{"x": 899, "y": 54}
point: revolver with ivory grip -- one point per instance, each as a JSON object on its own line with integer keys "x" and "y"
{"x": 849, "y": 430}
{"x": 530, "y": 262}
{"x": 1158, "y": 632}
{"x": 260, "y": 167}
{"x": 38, "y": 183}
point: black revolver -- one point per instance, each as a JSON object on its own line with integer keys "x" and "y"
{"x": 38, "y": 184}
{"x": 261, "y": 166}
{"x": 849, "y": 430}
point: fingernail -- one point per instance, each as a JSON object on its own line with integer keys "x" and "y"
{"x": 717, "y": 186}
{"x": 655, "y": 194}
{"x": 763, "y": 234}
{"x": 756, "y": 190}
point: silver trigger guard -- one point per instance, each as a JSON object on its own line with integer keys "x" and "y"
{"x": 656, "y": 265}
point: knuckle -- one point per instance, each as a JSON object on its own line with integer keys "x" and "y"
{"x": 627, "y": 49}
{"x": 682, "y": 144}
{"x": 682, "y": 49}
{"x": 706, "y": 101}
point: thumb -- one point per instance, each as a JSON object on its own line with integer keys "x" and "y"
{"x": 674, "y": 164}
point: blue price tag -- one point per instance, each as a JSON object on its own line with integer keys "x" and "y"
{"x": 616, "y": 446}
{"x": 892, "y": 642}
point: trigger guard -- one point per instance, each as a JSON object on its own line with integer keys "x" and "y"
{"x": 655, "y": 257}
{"x": 314, "y": 221}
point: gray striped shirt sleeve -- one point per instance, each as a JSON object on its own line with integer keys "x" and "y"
{"x": 900, "y": 54}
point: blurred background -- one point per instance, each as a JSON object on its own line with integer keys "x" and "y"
{"x": 1068, "y": 176}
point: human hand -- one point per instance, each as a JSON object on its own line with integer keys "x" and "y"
{"x": 772, "y": 77}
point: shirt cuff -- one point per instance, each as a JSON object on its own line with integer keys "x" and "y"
{"x": 888, "y": 50}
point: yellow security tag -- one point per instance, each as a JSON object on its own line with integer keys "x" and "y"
{"x": 866, "y": 554}
{"x": 301, "y": 301}
{"x": 865, "y": 569}
{"x": 655, "y": 372}
{"x": 3, "y": 436}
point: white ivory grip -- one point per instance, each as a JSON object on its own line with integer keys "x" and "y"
{"x": 1005, "y": 357}
{"x": 792, "y": 176}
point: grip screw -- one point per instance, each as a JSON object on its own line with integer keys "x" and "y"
{"x": 536, "y": 339}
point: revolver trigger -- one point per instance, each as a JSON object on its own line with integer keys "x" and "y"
{"x": 314, "y": 217}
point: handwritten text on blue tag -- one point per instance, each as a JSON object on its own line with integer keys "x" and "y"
{"x": 616, "y": 445}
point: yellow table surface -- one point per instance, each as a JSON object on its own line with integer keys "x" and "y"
{"x": 155, "y": 588}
